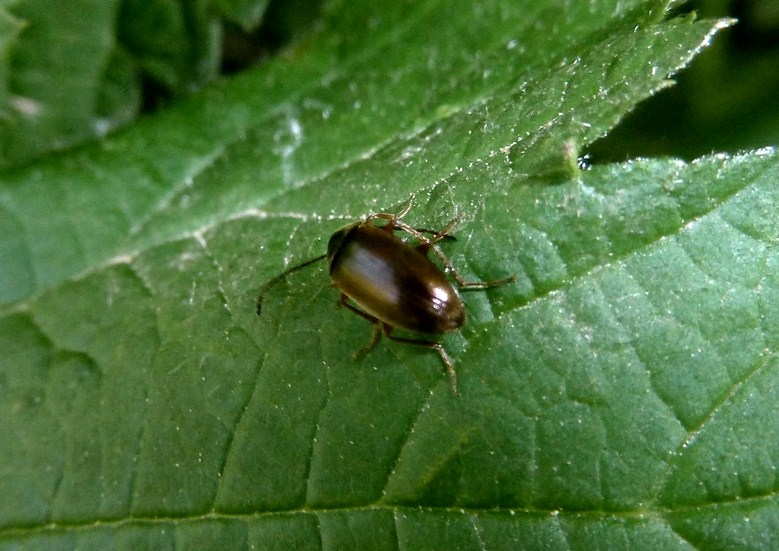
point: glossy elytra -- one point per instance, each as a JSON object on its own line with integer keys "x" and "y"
{"x": 394, "y": 284}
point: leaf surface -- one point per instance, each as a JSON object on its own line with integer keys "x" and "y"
{"x": 619, "y": 394}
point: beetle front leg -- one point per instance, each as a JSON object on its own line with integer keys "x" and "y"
{"x": 393, "y": 217}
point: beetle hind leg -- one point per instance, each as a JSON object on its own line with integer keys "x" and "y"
{"x": 376, "y": 335}
{"x": 433, "y": 345}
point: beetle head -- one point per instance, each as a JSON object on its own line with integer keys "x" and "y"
{"x": 337, "y": 240}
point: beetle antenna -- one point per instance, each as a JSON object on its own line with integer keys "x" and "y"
{"x": 281, "y": 276}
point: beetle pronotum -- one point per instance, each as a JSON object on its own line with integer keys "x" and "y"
{"x": 394, "y": 284}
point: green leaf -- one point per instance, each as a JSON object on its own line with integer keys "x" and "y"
{"x": 620, "y": 394}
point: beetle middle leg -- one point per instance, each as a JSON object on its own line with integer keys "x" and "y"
{"x": 426, "y": 244}
{"x": 344, "y": 301}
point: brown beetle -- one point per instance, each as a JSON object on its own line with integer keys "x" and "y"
{"x": 393, "y": 284}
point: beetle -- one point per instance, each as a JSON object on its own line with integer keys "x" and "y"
{"x": 394, "y": 284}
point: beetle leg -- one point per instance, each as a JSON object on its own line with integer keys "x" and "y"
{"x": 374, "y": 339}
{"x": 393, "y": 225}
{"x": 430, "y": 244}
{"x": 441, "y": 234}
{"x": 481, "y": 284}
{"x": 343, "y": 301}
{"x": 397, "y": 216}
{"x": 433, "y": 346}
{"x": 377, "y": 329}
{"x": 437, "y": 235}
{"x": 393, "y": 222}
{"x": 406, "y": 207}
{"x": 419, "y": 233}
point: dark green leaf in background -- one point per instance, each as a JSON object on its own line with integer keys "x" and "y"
{"x": 620, "y": 394}
{"x": 724, "y": 102}
{"x": 57, "y": 64}
{"x": 76, "y": 70}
